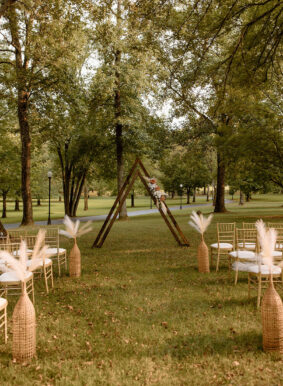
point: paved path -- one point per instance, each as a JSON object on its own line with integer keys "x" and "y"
{"x": 103, "y": 216}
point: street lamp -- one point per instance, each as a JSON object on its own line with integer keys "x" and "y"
{"x": 181, "y": 187}
{"x": 49, "y": 175}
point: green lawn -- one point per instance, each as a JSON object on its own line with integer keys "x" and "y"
{"x": 141, "y": 314}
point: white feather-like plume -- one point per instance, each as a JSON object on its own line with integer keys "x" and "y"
{"x": 199, "y": 222}
{"x": 267, "y": 241}
{"x": 39, "y": 252}
{"x": 73, "y": 229}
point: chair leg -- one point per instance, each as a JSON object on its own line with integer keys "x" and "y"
{"x": 218, "y": 257}
{"x": 5, "y": 325}
{"x": 211, "y": 257}
{"x": 45, "y": 279}
{"x": 59, "y": 268}
{"x": 51, "y": 269}
{"x": 236, "y": 273}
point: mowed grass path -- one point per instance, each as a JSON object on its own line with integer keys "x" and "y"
{"x": 141, "y": 314}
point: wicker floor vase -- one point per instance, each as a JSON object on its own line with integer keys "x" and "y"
{"x": 24, "y": 330}
{"x": 75, "y": 261}
{"x": 272, "y": 320}
{"x": 203, "y": 257}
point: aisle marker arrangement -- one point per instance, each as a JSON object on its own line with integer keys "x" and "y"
{"x": 200, "y": 224}
{"x": 73, "y": 232}
{"x": 272, "y": 307}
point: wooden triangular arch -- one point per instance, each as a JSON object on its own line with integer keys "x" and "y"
{"x": 122, "y": 195}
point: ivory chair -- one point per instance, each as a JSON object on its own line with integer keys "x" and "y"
{"x": 248, "y": 240}
{"x": 225, "y": 241}
{"x": 276, "y": 225}
{"x": 258, "y": 276}
{"x": 60, "y": 254}
{"x": 3, "y": 317}
{"x": 45, "y": 266}
{"x": 12, "y": 285}
{"x": 243, "y": 258}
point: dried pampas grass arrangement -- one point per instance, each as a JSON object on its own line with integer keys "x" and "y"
{"x": 272, "y": 307}
{"x": 200, "y": 224}
{"x": 73, "y": 232}
{"x": 24, "y": 320}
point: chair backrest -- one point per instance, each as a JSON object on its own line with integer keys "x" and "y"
{"x": 249, "y": 225}
{"x": 15, "y": 236}
{"x": 10, "y": 247}
{"x": 246, "y": 237}
{"x": 31, "y": 240}
{"x": 276, "y": 225}
{"x": 226, "y": 233}
{"x": 52, "y": 237}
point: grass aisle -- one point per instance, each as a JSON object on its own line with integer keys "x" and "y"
{"x": 141, "y": 314}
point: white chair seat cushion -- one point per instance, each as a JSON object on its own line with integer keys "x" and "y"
{"x": 16, "y": 253}
{"x": 279, "y": 245}
{"x": 54, "y": 251}
{"x": 12, "y": 276}
{"x": 242, "y": 267}
{"x": 264, "y": 269}
{"x": 222, "y": 246}
{"x": 246, "y": 245}
{"x": 40, "y": 263}
{"x": 3, "y": 303}
{"x": 244, "y": 255}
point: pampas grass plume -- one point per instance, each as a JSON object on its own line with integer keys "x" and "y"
{"x": 199, "y": 222}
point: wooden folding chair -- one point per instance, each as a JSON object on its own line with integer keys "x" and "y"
{"x": 225, "y": 241}
{"x": 45, "y": 266}
{"x": 12, "y": 285}
{"x": 242, "y": 257}
{"x": 258, "y": 277}
{"x": 60, "y": 254}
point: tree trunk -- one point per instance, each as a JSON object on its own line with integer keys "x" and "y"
{"x": 220, "y": 189}
{"x": 38, "y": 202}
{"x": 23, "y": 99}
{"x": 17, "y": 205}
{"x": 60, "y": 198}
{"x": 4, "y": 210}
{"x": 118, "y": 113}
{"x": 204, "y": 190}
{"x": 85, "y": 196}
{"x": 3, "y": 231}
{"x": 207, "y": 193}
{"x": 241, "y": 201}
{"x": 188, "y": 195}
{"x": 172, "y": 195}
{"x": 194, "y": 195}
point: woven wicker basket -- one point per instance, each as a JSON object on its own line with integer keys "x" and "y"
{"x": 24, "y": 330}
{"x": 203, "y": 257}
{"x": 75, "y": 261}
{"x": 272, "y": 320}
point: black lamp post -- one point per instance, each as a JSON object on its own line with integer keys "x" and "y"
{"x": 49, "y": 175}
{"x": 181, "y": 187}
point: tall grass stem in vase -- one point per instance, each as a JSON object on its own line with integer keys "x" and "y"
{"x": 271, "y": 307}
{"x": 73, "y": 231}
{"x": 200, "y": 224}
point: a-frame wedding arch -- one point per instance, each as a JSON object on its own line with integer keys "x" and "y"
{"x": 138, "y": 170}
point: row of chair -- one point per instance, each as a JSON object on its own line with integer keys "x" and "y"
{"x": 9, "y": 281}
{"x": 241, "y": 247}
